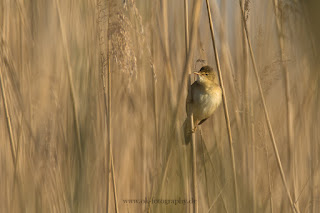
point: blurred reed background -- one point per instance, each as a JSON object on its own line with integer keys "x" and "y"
{"x": 54, "y": 62}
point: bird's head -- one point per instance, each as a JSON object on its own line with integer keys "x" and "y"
{"x": 207, "y": 76}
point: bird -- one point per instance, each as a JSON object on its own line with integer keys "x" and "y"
{"x": 204, "y": 99}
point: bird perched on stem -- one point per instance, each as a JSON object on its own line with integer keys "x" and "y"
{"x": 205, "y": 97}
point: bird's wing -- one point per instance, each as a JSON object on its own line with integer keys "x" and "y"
{"x": 188, "y": 103}
{"x": 189, "y": 100}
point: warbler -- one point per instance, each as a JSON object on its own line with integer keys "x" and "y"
{"x": 205, "y": 97}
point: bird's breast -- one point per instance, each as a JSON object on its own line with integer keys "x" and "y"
{"x": 206, "y": 102}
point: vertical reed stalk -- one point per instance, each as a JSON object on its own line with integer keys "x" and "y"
{"x": 15, "y": 173}
{"x": 293, "y": 205}
{"x": 215, "y": 200}
{"x": 186, "y": 22}
{"x": 105, "y": 60}
{"x": 193, "y": 139}
{"x": 252, "y": 136}
{"x": 269, "y": 178}
{"x": 248, "y": 117}
{"x": 5, "y": 32}
{"x": 314, "y": 157}
{"x": 291, "y": 143}
{"x": 192, "y": 42}
{"x": 156, "y": 155}
{"x": 204, "y": 166}
{"x": 164, "y": 173}
{"x": 8, "y": 118}
{"x": 14, "y": 150}
{"x": 165, "y": 45}
{"x": 110, "y": 155}
{"x": 114, "y": 185}
{"x": 79, "y": 175}
{"x": 71, "y": 83}
{"x": 109, "y": 151}
{"x": 166, "y": 38}
{"x": 103, "y": 57}
{"x": 194, "y": 27}
{"x": 155, "y": 110}
{"x": 225, "y": 107}
{"x": 194, "y": 155}
{"x": 246, "y": 78}
{"x": 205, "y": 150}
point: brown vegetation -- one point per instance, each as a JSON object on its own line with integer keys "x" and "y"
{"x": 93, "y": 92}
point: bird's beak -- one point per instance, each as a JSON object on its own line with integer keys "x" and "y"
{"x": 197, "y": 73}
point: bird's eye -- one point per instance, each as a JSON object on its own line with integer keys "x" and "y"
{"x": 206, "y": 74}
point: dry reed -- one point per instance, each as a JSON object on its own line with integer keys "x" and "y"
{"x": 225, "y": 107}
{"x": 54, "y": 74}
{"x": 293, "y": 204}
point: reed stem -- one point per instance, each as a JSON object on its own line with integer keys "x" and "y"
{"x": 293, "y": 205}
{"x": 225, "y": 107}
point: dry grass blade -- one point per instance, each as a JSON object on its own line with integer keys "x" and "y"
{"x": 23, "y": 17}
{"x": 212, "y": 165}
{"x": 166, "y": 41}
{"x": 215, "y": 200}
{"x": 71, "y": 83}
{"x": 193, "y": 139}
{"x": 288, "y": 98}
{"x": 164, "y": 174}
{"x": 54, "y": 70}
{"x": 110, "y": 159}
{"x": 114, "y": 186}
{"x": 293, "y": 205}
{"x": 13, "y": 148}
{"x": 205, "y": 169}
{"x": 186, "y": 22}
{"x": 15, "y": 173}
{"x": 225, "y": 108}
{"x": 194, "y": 158}
{"x": 109, "y": 151}
{"x": 8, "y": 119}
{"x": 105, "y": 62}
{"x": 269, "y": 179}
{"x": 155, "y": 110}
{"x": 305, "y": 185}
{"x": 194, "y": 27}
{"x": 110, "y": 167}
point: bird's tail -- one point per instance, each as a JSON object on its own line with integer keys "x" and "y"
{"x": 187, "y": 130}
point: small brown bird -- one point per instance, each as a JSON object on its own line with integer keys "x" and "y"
{"x": 206, "y": 96}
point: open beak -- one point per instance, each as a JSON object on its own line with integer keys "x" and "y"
{"x": 197, "y": 73}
